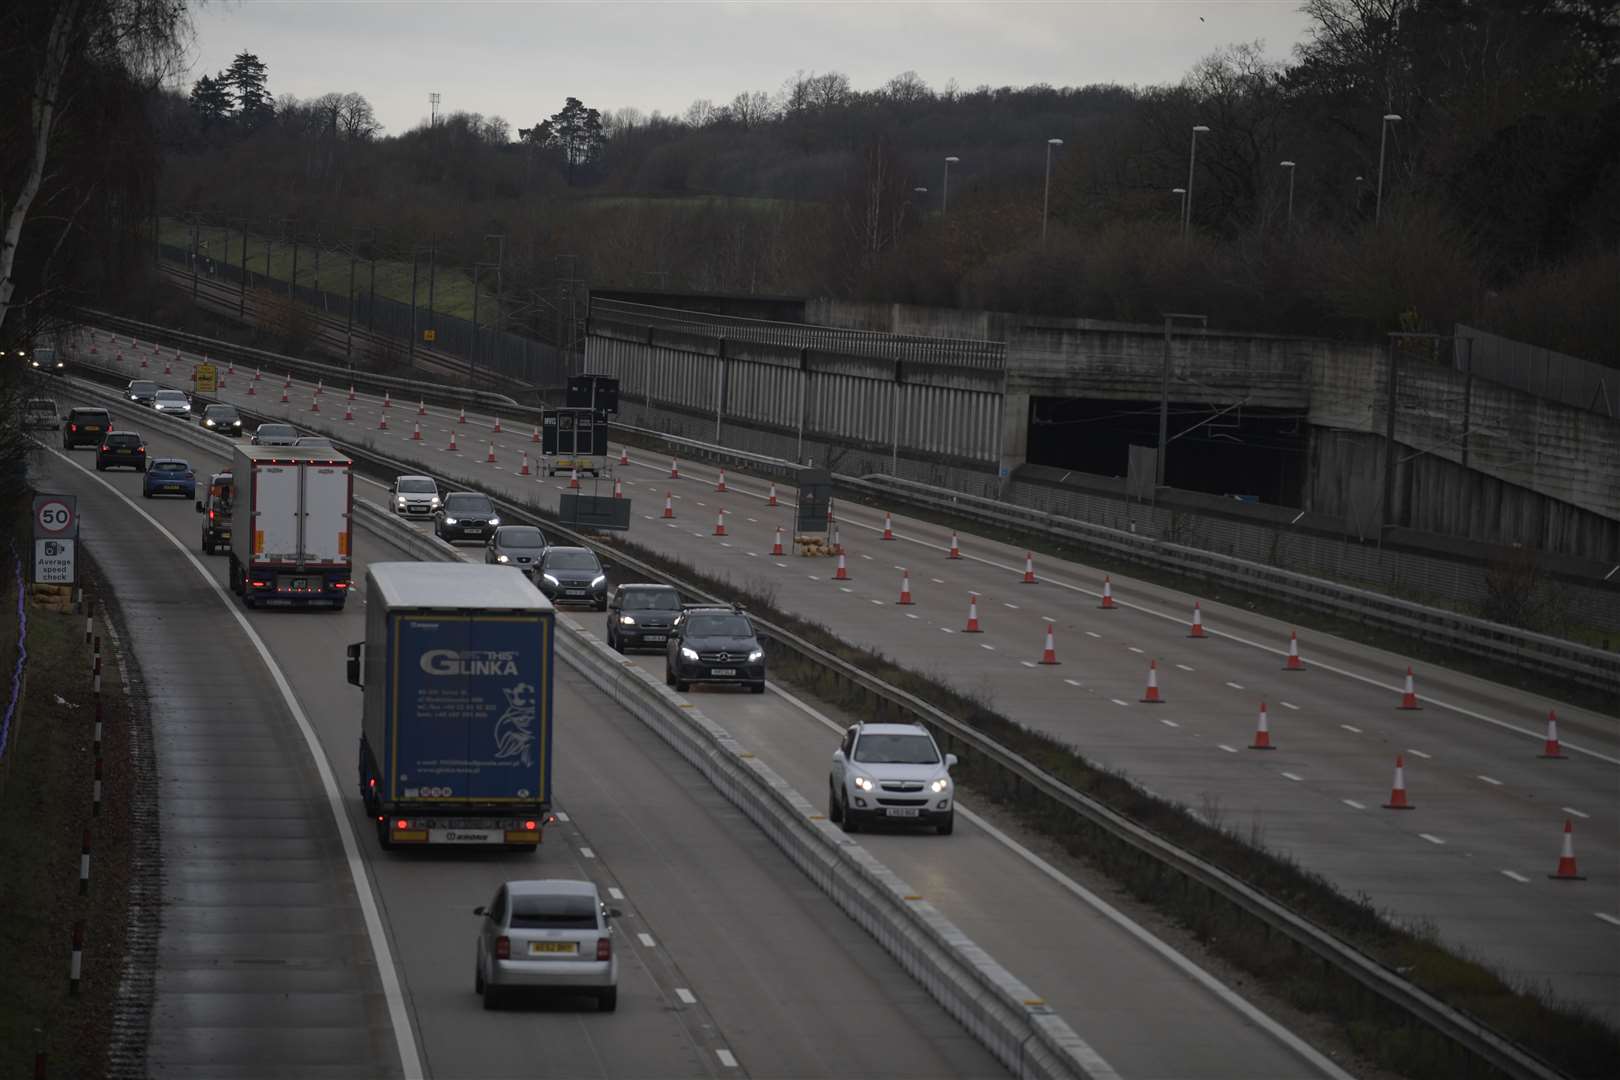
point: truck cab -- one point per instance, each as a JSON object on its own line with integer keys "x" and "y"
{"x": 215, "y": 505}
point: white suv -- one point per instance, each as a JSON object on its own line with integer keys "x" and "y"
{"x": 891, "y": 772}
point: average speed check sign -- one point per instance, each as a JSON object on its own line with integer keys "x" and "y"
{"x": 54, "y": 516}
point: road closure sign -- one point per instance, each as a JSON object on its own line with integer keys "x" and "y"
{"x": 56, "y": 531}
{"x": 206, "y": 379}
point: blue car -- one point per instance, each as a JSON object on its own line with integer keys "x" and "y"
{"x": 169, "y": 476}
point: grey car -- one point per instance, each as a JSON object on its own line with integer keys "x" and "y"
{"x": 573, "y": 575}
{"x": 221, "y": 418}
{"x": 554, "y": 934}
{"x": 141, "y": 391}
{"x": 641, "y": 614}
{"x": 173, "y": 402}
{"x": 319, "y": 442}
{"x": 522, "y": 546}
{"x": 274, "y": 435}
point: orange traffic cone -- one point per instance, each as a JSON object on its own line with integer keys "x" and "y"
{"x": 1551, "y": 749}
{"x": 720, "y": 523}
{"x": 618, "y": 491}
{"x": 720, "y": 487}
{"x": 955, "y": 552}
{"x": 1566, "y": 857}
{"x": 524, "y": 471}
{"x": 461, "y": 417}
{"x": 1293, "y": 663}
{"x": 284, "y": 395}
{"x": 1397, "y": 792}
{"x": 772, "y": 500}
{"x": 1409, "y": 697}
{"x": 166, "y": 370}
{"x": 837, "y": 541}
{"x": 1107, "y": 603}
{"x": 1029, "y": 568}
{"x": 490, "y": 459}
{"x": 1262, "y": 732}
{"x": 250, "y": 390}
{"x": 387, "y": 401}
{"x": 776, "y": 548}
{"x": 905, "y": 587}
{"x": 351, "y": 391}
{"x": 416, "y": 432}
{"x": 421, "y": 406}
{"x": 497, "y": 428}
{"x": 973, "y": 614}
{"x": 348, "y": 412}
{"x": 314, "y": 404}
{"x": 452, "y": 447}
{"x": 669, "y": 507}
{"x": 534, "y": 436}
{"x": 624, "y": 455}
{"x": 382, "y": 424}
{"x": 256, "y": 374}
{"x": 320, "y": 384}
{"x": 674, "y": 469}
{"x": 1151, "y": 695}
{"x": 843, "y": 571}
{"x": 1049, "y": 654}
{"x": 888, "y": 526}
{"x": 1197, "y": 629}
{"x": 573, "y": 479}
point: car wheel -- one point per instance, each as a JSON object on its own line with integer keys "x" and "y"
{"x": 478, "y": 979}
{"x": 208, "y": 549}
{"x": 337, "y": 605}
{"x": 492, "y": 997}
{"x": 757, "y": 688}
{"x": 947, "y": 826}
{"x": 383, "y": 839}
{"x": 669, "y": 676}
{"x": 140, "y": 468}
{"x": 100, "y": 467}
{"x": 600, "y": 605}
{"x": 607, "y": 1000}
{"x": 846, "y": 817}
{"x": 145, "y": 494}
{"x": 835, "y": 810}
{"x": 682, "y": 685}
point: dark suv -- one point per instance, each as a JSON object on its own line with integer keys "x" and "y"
{"x": 141, "y": 391}
{"x": 640, "y": 615}
{"x": 572, "y": 575}
{"x": 714, "y": 645}
{"x": 121, "y": 449}
{"x": 465, "y": 515}
{"x": 85, "y": 427}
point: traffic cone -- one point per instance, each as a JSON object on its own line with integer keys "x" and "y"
{"x": 1566, "y": 857}
{"x": 351, "y": 391}
{"x": 388, "y": 402}
{"x": 1262, "y": 732}
{"x": 93, "y": 349}
{"x": 490, "y": 459}
{"x": 1197, "y": 629}
{"x": 905, "y": 588}
{"x": 256, "y": 374}
{"x": 720, "y": 523}
{"x": 955, "y": 552}
{"x": 421, "y": 406}
{"x": 843, "y": 571}
{"x": 669, "y": 507}
{"x": 1551, "y": 749}
{"x": 888, "y": 526}
{"x": 319, "y": 386}
{"x": 534, "y": 436}
{"x": 1029, "y": 568}
{"x": 1049, "y": 654}
{"x": 230, "y": 368}
{"x": 166, "y": 370}
{"x": 284, "y": 395}
{"x": 416, "y": 432}
{"x": 314, "y": 404}
{"x": 497, "y": 428}
{"x": 120, "y": 357}
{"x": 453, "y": 447}
{"x": 382, "y": 424}
{"x": 720, "y": 487}
{"x": 618, "y": 491}
{"x": 772, "y": 500}
{"x": 1151, "y": 695}
{"x": 1409, "y": 699}
{"x": 461, "y": 418}
{"x": 573, "y": 479}
{"x": 1107, "y": 603}
{"x": 837, "y": 542}
{"x": 250, "y": 390}
{"x": 348, "y": 412}
{"x": 524, "y": 471}
{"x": 624, "y": 455}
{"x": 674, "y": 469}
{"x": 143, "y": 361}
{"x": 973, "y": 614}
{"x": 1293, "y": 663}
{"x": 776, "y": 548}
{"x": 1397, "y": 792}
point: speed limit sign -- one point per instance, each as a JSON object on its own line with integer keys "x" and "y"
{"x": 55, "y": 516}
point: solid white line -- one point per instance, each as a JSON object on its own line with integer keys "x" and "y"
{"x": 398, "y": 1016}
{"x": 686, "y": 996}
{"x": 1289, "y": 705}
{"x": 1351, "y": 728}
{"x": 726, "y": 1058}
{"x": 646, "y": 939}
{"x": 1572, "y": 810}
{"x": 1353, "y": 804}
{"x": 1419, "y": 753}
{"x": 1431, "y": 838}
{"x": 615, "y": 892}
{"x": 587, "y": 853}
{"x": 1606, "y": 917}
{"x": 1228, "y": 749}
{"x": 1489, "y": 780}
{"x": 1520, "y": 878}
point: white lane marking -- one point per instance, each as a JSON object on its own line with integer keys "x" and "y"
{"x": 753, "y": 554}
{"x": 937, "y": 580}
{"x": 879, "y": 603}
{"x": 812, "y": 577}
{"x": 1520, "y": 878}
{"x": 1295, "y": 779}
{"x": 909, "y": 615}
{"x": 726, "y": 1058}
{"x": 1351, "y": 728}
{"x": 1491, "y": 780}
{"x": 753, "y": 521}
{"x": 1133, "y": 648}
{"x": 1027, "y": 663}
{"x": 398, "y": 1016}
{"x": 1168, "y": 723}
{"x": 1607, "y": 917}
{"x": 947, "y": 630}
{"x": 647, "y": 940}
{"x": 1093, "y": 633}
{"x": 1072, "y": 682}
{"x": 845, "y": 588}
{"x": 1431, "y": 838}
{"x": 615, "y": 892}
{"x": 982, "y": 645}
{"x": 1228, "y": 749}
{"x": 868, "y": 558}
{"x": 1184, "y": 667}
{"x": 1419, "y": 753}
{"x": 1117, "y": 701}
{"x": 686, "y": 996}
{"x": 1289, "y": 705}
{"x": 561, "y": 816}
{"x": 1005, "y": 603}
{"x": 587, "y": 853}
{"x": 1352, "y": 804}
{"x": 1048, "y": 618}
{"x": 1235, "y": 686}
{"x": 725, "y": 543}
{"x": 783, "y": 565}
{"x": 1572, "y": 810}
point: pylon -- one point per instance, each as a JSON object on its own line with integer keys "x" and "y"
{"x": 143, "y": 361}
{"x": 1397, "y": 791}
{"x": 624, "y": 455}
{"x": 230, "y": 369}
{"x": 319, "y": 386}
{"x": 490, "y": 459}
{"x": 250, "y": 390}
{"x": 382, "y": 424}
{"x": 351, "y": 391}
{"x": 452, "y": 446}
{"x": 524, "y": 471}
{"x": 955, "y": 552}
{"x": 497, "y": 428}
{"x": 421, "y": 406}
{"x": 973, "y": 614}
{"x": 286, "y": 381}
{"x": 93, "y": 349}
{"x": 1151, "y": 695}
{"x": 461, "y": 418}
{"x": 669, "y": 507}
{"x": 573, "y": 479}
{"x": 1566, "y": 857}
{"x": 284, "y": 395}
{"x": 776, "y": 548}
{"x": 534, "y": 436}
{"x": 120, "y": 356}
{"x": 772, "y": 500}
{"x": 888, "y": 526}
{"x": 720, "y": 487}
{"x": 256, "y": 374}
{"x": 674, "y": 469}
{"x": 1049, "y": 654}
{"x": 1408, "y": 696}
{"x": 1551, "y": 749}
{"x": 837, "y": 542}
{"x": 314, "y": 404}
{"x": 720, "y": 523}
{"x": 1197, "y": 628}
{"x": 416, "y": 432}
{"x": 905, "y": 588}
{"x": 1107, "y": 603}
{"x": 843, "y": 571}
{"x": 348, "y": 412}
{"x": 166, "y": 370}
{"x": 1293, "y": 663}
{"x": 388, "y": 402}
{"x": 618, "y": 491}
{"x": 1029, "y": 568}
{"x": 1262, "y": 732}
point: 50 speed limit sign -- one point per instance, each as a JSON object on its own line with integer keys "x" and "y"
{"x": 55, "y": 516}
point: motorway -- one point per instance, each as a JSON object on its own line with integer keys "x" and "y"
{"x": 1470, "y": 862}
{"x": 731, "y": 962}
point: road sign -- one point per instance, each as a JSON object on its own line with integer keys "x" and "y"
{"x": 430, "y": 335}
{"x": 206, "y": 379}
{"x": 54, "y": 563}
{"x": 55, "y": 516}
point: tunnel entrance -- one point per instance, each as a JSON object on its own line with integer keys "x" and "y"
{"x": 1243, "y": 451}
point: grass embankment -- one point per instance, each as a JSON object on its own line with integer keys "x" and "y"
{"x": 45, "y": 808}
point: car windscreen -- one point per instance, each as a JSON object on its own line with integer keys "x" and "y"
{"x": 170, "y": 466}
{"x": 652, "y": 600}
{"x": 565, "y": 912}
{"x": 170, "y": 395}
{"x": 116, "y": 439}
{"x": 143, "y": 387}
{"x": 420, "y": 484}
{"x": 469, "y": 504}
{"x": 220, "y": 412}
{"x": 521, "y": 536}
{"x": 877, "y": 749}
{"x": 572, "y": 560}
{"x": 718, "y": 626}
{"x": 89, "y": 416}
{"x": 276, "y": 429}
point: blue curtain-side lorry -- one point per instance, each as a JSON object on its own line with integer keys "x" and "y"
{"x": 456, "y": 672}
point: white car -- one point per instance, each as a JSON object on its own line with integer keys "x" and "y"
{"x": 555, "y": 934}
{"x": 174, "y": 402}
{"x": 894, "y": 773}
{"x": 41, "y": 413}
{"x": 414, "y": 496}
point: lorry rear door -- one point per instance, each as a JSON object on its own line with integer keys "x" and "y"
{"x": 326, "y": 513}
{"x": 275, "y": 512}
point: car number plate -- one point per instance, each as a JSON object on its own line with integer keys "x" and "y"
{"x": 576, "y": 592}
{"x": 654, "y": 637}
{"x": 723, "y": 671}
{"x": 463, "y": 836}
{"x": 903, "y": 811}
{"x": 124, "y": 451}
{"x": 537, "y": 948}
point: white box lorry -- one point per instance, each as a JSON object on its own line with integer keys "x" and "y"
{"x": 291, "y": 526}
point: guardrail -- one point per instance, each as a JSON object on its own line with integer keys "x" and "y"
{"x": 1462, "y": 1030}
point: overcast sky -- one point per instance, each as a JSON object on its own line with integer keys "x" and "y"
{"x": 520, "y": 58}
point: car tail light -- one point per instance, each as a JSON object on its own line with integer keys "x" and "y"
{"x": 340, "y": 584}
{"x": 503, "y": 948}
{"x": 402, "y": 824}
{"x": 604, "y": 948}
{"x": 372, "y": 783}
{"x": 261, "y": 584}
{"x": 73, "y": 427}
{"x": 530, "y": 826}
{"x": 210, "y": 515}
{"x": 104, "y": 446}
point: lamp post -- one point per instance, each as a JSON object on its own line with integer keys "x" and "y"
{"x": 1046, "y": 193}
{"x": 1289, "y": 165}
{"x": 1181, "y": 191}
{"x": 945, "y": 191}
{"x": 1383, "y": 136}
{"x": 1192, "y": 160}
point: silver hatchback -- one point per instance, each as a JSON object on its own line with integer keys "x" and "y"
{"x": 555, "y": 934}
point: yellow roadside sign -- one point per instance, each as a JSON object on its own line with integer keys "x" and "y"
{"x": 205, "y": 379}
{"x": 430, "y": 335}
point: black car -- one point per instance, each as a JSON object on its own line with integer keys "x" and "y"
{"x": 641, "y": 614}
{"x": 85, "y": 427}
{"x": 121, "y": 450}
{"x": 465, "y": 515}
{"x": 221, "y": 418}
{"x": 522, "y": 546}
{"x": 714, "y": 645}
{"x": 216, "y": 505}
{"x": 141, "y": 391}
{"x": 573, "y": 575}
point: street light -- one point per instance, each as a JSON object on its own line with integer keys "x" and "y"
{"x": 1046, "y": 193}
{"x": 945, "y": 192}
{"x": 1289, "y": 165}
{"x": 1183, "y": 193}
{"x": 1383, "y": 134}
{"x": 1192, "y": 159}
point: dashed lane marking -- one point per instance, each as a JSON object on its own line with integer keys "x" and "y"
{"x": 937, "y": 581}
{"x": 726, "y": 1058}
{"x": 1133, "y": 648}
{"x": 1184, "y": 667}
{"x": 1351, "y": 728}
{"x": 615, "y": 892}
{"x": 1007, "y": 603}
{"x": 1352, "y": 804}
{"x": 1072, "y": 682}
{"x": 1027, "y": 663}
{"x": 1117, "y": 701}
{"x": 587, "y": 853}
{"x": 1228, "y": 749}
{"x": 1606, "y": 917}
{"x": 646, "y": 940}
{"x": 1235, "y": 686}
{"x": 686, "y": 996}
{"x": 1295, "y": 779}
{"x": 1168, "y": 723}
{"x": 561, "y": 816}
{"x": 1520, "y": 878}
{"x": 1431, "y": 838}
{"x": 1491, "y": 780}
{"x": 909, "y": 615}
{"x": 1572, "y": 810}
{"x": 982, "y": 645}
{"x": 1289, "y": 705}
{"x": 1419, "y": 753}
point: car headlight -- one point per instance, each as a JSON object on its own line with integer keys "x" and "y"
{"x": 550, "y": 578}
{"x": 207, "y": 421}
{"x": 862, "y": 782}
{"x": 400, "y": 500}
{"x": 627, "y": 620}
{"x": 688, "y": 653}
{"x": 450, "y": 521}
{"x": 597, "y": 580}
{"x": 940, "y": 785}
{"x": 756, "y": 656}
{"x": 434, "y": 501}
{"x": 494, "y": 521}
{"x": 502, "y": 558}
